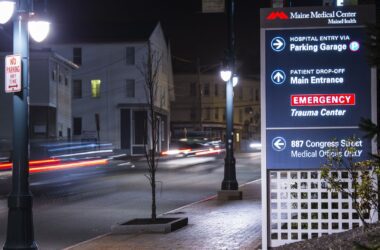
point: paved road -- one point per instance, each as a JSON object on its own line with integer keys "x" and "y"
{"x": 75, "y": 205}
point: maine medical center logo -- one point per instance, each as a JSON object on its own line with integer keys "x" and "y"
{"x": 332, "y": 17}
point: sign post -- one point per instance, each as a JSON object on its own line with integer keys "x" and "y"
{"x": 316, "y": 85}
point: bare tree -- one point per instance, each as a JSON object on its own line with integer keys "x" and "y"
{"x": 149, "y": 69}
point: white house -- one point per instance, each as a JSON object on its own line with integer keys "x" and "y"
{"x": 50, "y": 97}
{"x": 109, "y": 99}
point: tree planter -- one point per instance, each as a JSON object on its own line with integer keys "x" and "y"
{"x": 146, "y": 225}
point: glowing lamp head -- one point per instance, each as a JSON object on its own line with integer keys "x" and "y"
{"x": 225, "y": 75}
{"x": 235, "y": 80}
{"x": 6, "y": 11}
{"x": 38, "y": 30}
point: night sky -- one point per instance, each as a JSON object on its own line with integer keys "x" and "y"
{"x": 191, "y": 34}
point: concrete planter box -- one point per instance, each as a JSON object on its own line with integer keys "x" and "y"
{"x": 145, "y": 225}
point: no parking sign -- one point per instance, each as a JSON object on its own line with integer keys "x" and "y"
{"x": 13, "y": 73}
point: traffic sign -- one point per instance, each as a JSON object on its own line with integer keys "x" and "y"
{"x": 278, "y": 143}
{"x": 12, "y": 73}
{"x": 278, "y": 44}
{"x": 278, "y": 76}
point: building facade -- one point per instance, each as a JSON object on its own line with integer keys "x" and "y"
{"x": 109, "y": 96}
{"x": 200, "y": 106}
{"x": 50, "y": 97}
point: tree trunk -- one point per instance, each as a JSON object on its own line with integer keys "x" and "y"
{"x": 154, "y": 216}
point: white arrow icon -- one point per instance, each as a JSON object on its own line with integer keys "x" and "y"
{"x": 278, "y": 76}
{"x": 278, "y": 143}
{"x": 278, "y": 44}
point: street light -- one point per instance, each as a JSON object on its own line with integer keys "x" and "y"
{"x": 6, "y": 11}
{"x": 229, "y": 184}
{"x": 20, "y": 233}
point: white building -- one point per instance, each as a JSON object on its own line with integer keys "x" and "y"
{"x": 50, "y": 97}
{"x": 109, "y": 85}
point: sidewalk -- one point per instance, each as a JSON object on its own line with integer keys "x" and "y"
{"x": 212, "y": 224}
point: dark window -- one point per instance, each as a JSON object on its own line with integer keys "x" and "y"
{"x": 77, "y": 125}
{"x": 216, "y": 114}
{"x": 241, "y": 93}
{"x": 192, "y": 89}
{"x": 130, "y": 56}
{"x": 77, "y": 89}
{"x": 130, "y": 87}
{"x": 66, "y": 81}
{"x": 206, "y": 89}
{"x": 77, "y": 56}
{"x": 216, "y": 89}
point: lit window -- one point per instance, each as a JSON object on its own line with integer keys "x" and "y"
{"x": 95, "y": 88}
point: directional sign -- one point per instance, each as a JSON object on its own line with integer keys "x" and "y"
{"x": 278, "y": 77}
{"x": 316, "y": 80}
{"x": 12, "y": 73}
{"x": 278, "y": 44}
{"x": 278, "y": 143}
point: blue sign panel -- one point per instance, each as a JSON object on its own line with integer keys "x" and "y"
{"x": 309, "y": 149}
{"x": 317, "y": 88}
{"x": 321, "y": 78}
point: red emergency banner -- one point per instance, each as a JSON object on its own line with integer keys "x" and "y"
{"x": 322, "y": 99}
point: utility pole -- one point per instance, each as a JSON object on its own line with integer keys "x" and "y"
{"x": 200, "y": 99}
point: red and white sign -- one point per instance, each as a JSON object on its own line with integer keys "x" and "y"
{"x": 322, "y": 99}
{"x": 13, "y": 73}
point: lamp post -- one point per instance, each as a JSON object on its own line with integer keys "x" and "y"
{"x": 229, "y": 184}
{"x": 20, "y": 233}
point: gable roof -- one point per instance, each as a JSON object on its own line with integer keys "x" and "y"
{"x": 106, "y": 33}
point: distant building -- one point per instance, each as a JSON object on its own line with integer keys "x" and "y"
{"x": 108, "y": 88}
{"x": 200, "y": 105}
{"x": 50, "y": 97}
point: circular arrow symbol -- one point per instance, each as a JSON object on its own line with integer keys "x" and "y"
{"x": 278, "y": 77}
{"x": 278, "y": 44}
{"x": 278, "y": 143}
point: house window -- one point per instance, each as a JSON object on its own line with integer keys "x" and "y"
{"x": 216, "y": 89}
{"x": 77, "y": 56}
{"x": 130, "y": 87}
{"x": 216, "y": 114}
{"x": 207, "y": 114}
{"x": 240, "y": 115}
{"x": 95, "y": 88}
{"x": 77, "y": 123}
{"x": 130, "y": 55}
{"x": 252, "y": 93}
{"x": 241, "y": 93}
{"x": 206, "y": 89}
{"x": 193, "y": 89}
{"x": 77, "y": 89}
{"x": 66, "y": 81}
